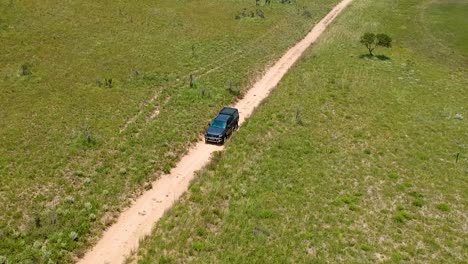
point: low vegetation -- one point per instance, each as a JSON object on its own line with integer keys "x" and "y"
{"x": 350, "y": 160}
{"x": 100, "y": 97}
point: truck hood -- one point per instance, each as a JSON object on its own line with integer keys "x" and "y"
{"x": 215, "y": 131}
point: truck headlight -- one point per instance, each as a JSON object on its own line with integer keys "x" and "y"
{"x": 220, "y": 136}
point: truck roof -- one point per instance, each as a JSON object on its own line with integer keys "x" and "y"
{"x": 228, "y": 111}
{"x": 222, "y": 117}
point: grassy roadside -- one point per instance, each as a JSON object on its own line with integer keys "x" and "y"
{"x": 443, "y": 22}
{"x": 350, "y": 160}
{"x": 74, "y": 146}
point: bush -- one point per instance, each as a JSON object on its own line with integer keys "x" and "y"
{"x": 73, "y": 236}
{"x": 306, "y": 13}
{"x": 298, "y": 118}
{"x": 191, "y": 81}
{"x": 233, "y": 90}
{"x": 88, "y": 136}
{"x": 402, "y": 216}
{"x": 108, "y": 82}
{"x": 260, "y": 13}
{"x": 25, "y": 69}
{"x": 244, "y": 13}
{"x": 443, "y": 207}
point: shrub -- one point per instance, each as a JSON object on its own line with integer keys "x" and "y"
{"x": 233, "y": 90}
{"x": 198, "y": 246}
{"x": 418, "y": 202}
{"x": 298, "y": 118}
{"x": 92, "y": 217}
{"x": 37, "y": 221}
{"x": 25, "y": 69}
{"x": 244, "y": 13}
{"x": 402, "y": 216}
{"x": 203, "y": 92}
{"x": 193, "y": 50}
{"x": 192, "y": 80}
{"x": 73, "y": 236}
{"x": 70, "y": 199}
{"x": 259, "y": 13}
{"x": 108, "y": 83}
{"x": 306, "y": 13}
{"x": 443, "y": 207}
{"x": 88, "y": 136}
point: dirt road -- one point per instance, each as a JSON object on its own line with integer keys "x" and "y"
{"x": 137, "y": 221}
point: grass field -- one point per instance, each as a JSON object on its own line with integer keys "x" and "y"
{"x": 96, "y": 101}
{"x": 351, "y": 160}
{"x": 446, "y": 22}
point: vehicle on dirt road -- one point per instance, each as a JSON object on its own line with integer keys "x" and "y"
{"x": 222, "y": 126}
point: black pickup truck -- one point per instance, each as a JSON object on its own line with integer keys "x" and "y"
{"x": 223, "y": 125}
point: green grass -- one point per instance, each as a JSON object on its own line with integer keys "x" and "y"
{"x": 446, "y": 21}
{"x": 367, "y": 172}
{"x": 75, "y": 146}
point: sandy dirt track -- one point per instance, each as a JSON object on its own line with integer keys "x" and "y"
{"x": 137, "y": 221}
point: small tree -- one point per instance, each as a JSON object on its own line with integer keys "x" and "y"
{"x": 372, "y": 41}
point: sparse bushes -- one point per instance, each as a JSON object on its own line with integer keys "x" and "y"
{"x": 402, "y": 216}
{"x": 108, "y": 82}
{"x": 418, "y": 199}
{"x": 245, "y": 13}
{"x": 267, "y": 2}
{"x": 136, "y": 74}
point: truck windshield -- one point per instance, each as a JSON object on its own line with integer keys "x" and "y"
{"x": 218, "y": 124}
